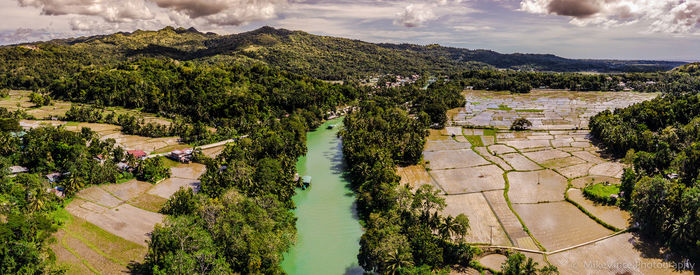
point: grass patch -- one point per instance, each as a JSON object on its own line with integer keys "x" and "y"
{"x": 502, "y": 108}
{"x": 61, "y": 216}
{"x": 148, "y": 202}
{"x": 529, "y": 110}
{"x": 170, "y": 163}
{"x": 112, "y": 247}
{"x": 601, "y": 192}
{"x": 490, "y": 132}
{"x": 171, "y": 148}
{"x": 475, "y": 141}
{"x": 72, "y": 123}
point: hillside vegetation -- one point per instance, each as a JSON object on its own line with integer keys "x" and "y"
{"x": 35, "y": 65}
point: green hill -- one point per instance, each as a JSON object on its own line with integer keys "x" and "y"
{"x": 35, "y": 65}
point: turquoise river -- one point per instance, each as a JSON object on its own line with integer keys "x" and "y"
{"x": 328, "y": 229}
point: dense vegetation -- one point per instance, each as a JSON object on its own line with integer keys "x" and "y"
{"x": 661, "y": 138}
{"x": 677, "y": 81}
{"x": 28, "y": 213}
{"x": 402, "y": 229}
{"x": 240, "y": 221}
{"x": 37, "y": 65}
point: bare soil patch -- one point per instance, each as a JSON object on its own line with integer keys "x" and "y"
{"x": 468, "y": 180}
{"x": 501, "y": 149}
{"x": 125, "y": 221}
{"x": 545, "y": 155}
{"x": 519, "y": 162}
{"x": 493, "y": 261}
{"x": 453, "y": 159}
{"x": 99, "y": 196}
{"x": 621, "y": 254}
{"x": 558, "y": 225}
{"x": 576, "y": 171}
{"x": 608, "y": 169}
{"x": 562, "y": 162}
{"x": 498, "y": 161}
{"x": 127, "y": 190}
{"x": 168, "y": 187}
{"x": 414, "y": 176}
{"x": 585, "y": 181}
{"x": 536, "y": 186}
{"x": 510, "y": 222}
{"x": 188, "y": 171}
{"x": 609, "y": 214}
{"x": 484, "y": 226}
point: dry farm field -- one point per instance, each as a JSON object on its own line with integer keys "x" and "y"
{"x": 110, "y": 224}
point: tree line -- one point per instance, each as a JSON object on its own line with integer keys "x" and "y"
{"x": 661, "y": 138}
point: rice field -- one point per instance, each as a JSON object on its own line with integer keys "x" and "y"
{"x": 519, "y": 181}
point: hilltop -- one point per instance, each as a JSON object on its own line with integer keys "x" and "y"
{"x": 322, "y": 57}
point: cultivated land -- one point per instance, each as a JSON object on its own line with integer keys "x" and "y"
{"x": 19, "y": 100}
{"x": 110, "y": 224}
{"x": 523, "y": 189}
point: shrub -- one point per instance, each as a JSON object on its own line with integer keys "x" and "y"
{"x": 521, "y": 124}
{"x": 152, "y": 170}
{"x": 601, "y": 193}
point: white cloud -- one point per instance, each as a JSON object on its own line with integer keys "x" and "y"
{"x": 673, "y": 16}
{"x": 416, "y": 14}
{"x": 223, "y": 12}
{"x": 110, "y": 10}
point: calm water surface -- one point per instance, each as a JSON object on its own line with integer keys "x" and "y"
{"x": 328, "y": 229}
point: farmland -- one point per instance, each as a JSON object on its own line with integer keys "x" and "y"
{"x": 531, "y": 181}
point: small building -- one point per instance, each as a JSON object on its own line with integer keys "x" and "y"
{"x": 184, "y": 156}
{"x": 305, "y": 182}
{"x": 53, "y": 177}
{"x": 123, "y": 166}
{"x": 18, "y": 169}
{"x": 138, "y": 154}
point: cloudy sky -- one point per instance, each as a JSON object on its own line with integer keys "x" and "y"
{"x": 620, "y": 29}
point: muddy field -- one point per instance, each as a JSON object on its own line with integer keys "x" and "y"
{"x": 548, "y": 110}
{"x": 508, "y": 181}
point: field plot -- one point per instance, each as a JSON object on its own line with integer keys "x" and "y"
{"x": 611, "y": 215}
{"x": 453, "y": 159}
{"x": 547, "y": 109}
{"x": 559, "y": 225}
{"x": 105, "y": 131}
{"x": 621, "y": 254}
{"x": 536, "y": 186}
{"x": 414, "y": 176}
{"x": 492, "y": 158}
{"x": 519, "y": 162}
{"x": 484, "y": 226}
{"x": 111, "y": 223}
{"x": 510, "y": 222}
{"x": 589, "y": 180}
{"x": 469, "y": 180}
{"x": 19, "y": 100}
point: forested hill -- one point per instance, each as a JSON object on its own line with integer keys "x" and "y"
{"x": 321, "y": 57}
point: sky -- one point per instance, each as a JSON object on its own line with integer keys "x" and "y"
{"x": 600, "y": 29}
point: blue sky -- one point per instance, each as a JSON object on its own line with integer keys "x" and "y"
{"x": 615, "y": 29}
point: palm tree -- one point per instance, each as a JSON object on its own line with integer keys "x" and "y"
{"x": 36, "y": 200}
{"x": 530, "y": 267}
{"x": 396, "y": 261}
{"x": 74, "y": 184}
